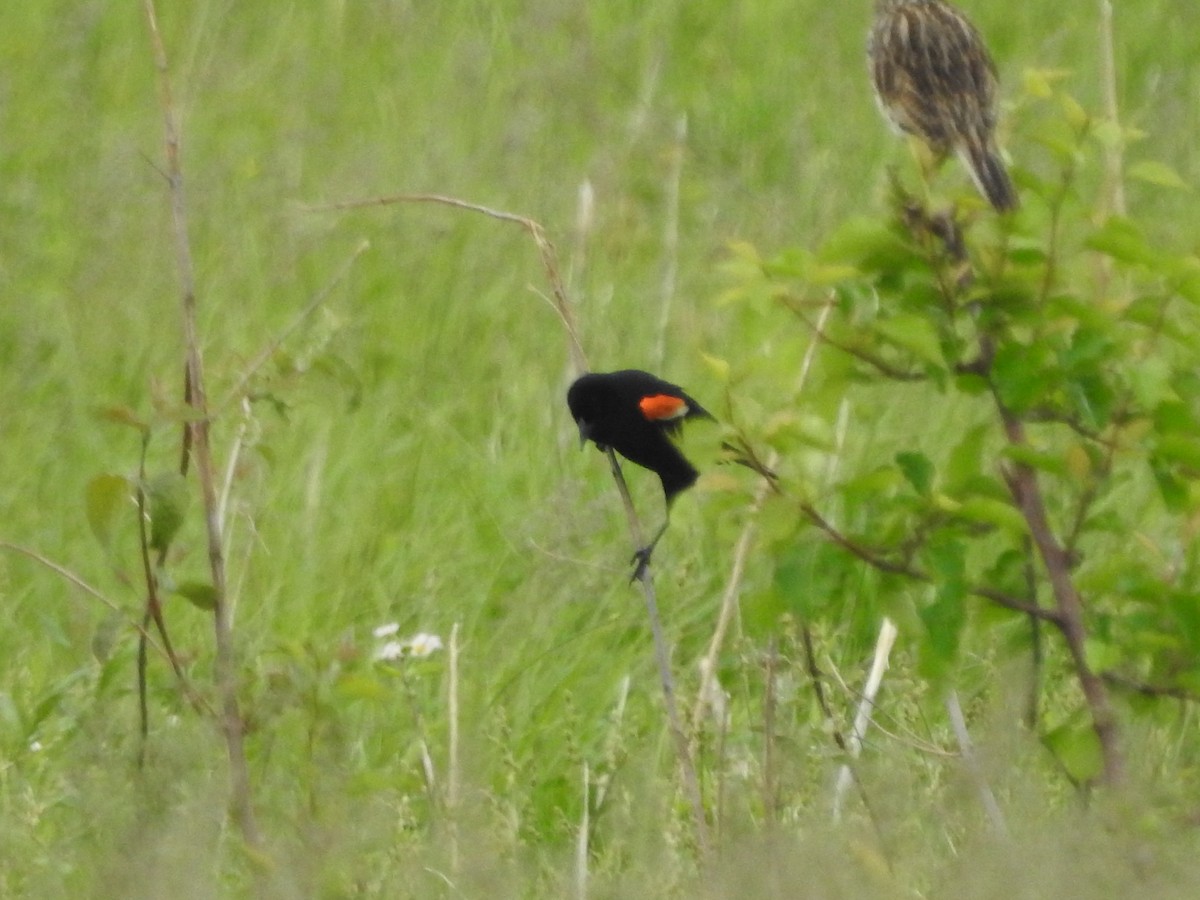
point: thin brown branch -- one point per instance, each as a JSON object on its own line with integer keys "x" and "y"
{"x": 884, "y": 368}
{"x": 1145, "y": 689}
{"x": 892, "y": 567}
{"x": 232, "y": 725}
{"x": 1026, "y": 492}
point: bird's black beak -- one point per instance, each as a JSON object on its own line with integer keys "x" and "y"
{"x": 585, "y": 433}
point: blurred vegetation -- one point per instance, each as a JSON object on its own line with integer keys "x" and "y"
{"x": 406, "y": 456}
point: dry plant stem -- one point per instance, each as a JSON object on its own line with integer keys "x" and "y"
{"x": 584, "y": 219}
{"x": 770, "y": 798}
{"x": 545, "y": 250}
{"x": 959, "y": 723}
{"x": 662, "y": 655}
{"x": 671, "y": 238}
{"x": 452, "y": 763}
{"x": 231, "y": 718}
{"x": 862, "y": 719}
{"x": 1027, "y": 496}
{"x": 582, "y": 840}
{"x": 1113, "y": 157}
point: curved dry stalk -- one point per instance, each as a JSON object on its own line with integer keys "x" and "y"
{"x": 536, "y": 231}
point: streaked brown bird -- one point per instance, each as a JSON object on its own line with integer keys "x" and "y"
{"x": 934, "y": 78}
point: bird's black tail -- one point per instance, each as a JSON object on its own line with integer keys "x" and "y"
{"x": 982, "y": 160}
{"x": 677, "y": 477}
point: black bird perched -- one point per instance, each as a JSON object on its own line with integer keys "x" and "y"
{"x": 636, "y": 414}
{"x": 934, "y": 78}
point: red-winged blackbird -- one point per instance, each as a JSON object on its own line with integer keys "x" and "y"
{"x": 934, "y": 78}
{"x": 636, "y": 414}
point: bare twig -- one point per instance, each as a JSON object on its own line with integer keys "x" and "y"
{"x": 769, "y": 795}
{"x": 1113, "y": 155}
{"x": 232, "y": 725}
{"x": 453, "y": 774}
{"x": 1145, "y": 689}
{"x": 883, "y": 367}
{"x": 545, "y": 249}
{"x": 582, "y": 840}
{"x": 894, "y": 567}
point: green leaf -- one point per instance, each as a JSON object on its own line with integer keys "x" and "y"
{"x": 944, "y": 618}
{"x": 1073, "y": 112}
{"x": 719, "y": 367}
{"x": 1122, "y": 239}
{"x": 1154, "y": 172}
{"x": 1180, "y": 449}
{"x": 1019, "y": 379}
{"x": 919, "y": 471}
{"x": 1173, "y": 490}
{"x": 200, "y": 594}
{"x": 866, "y": 243}
{"x": 1101, "y": 656}
{"x": 965, "y": 462}
{"x": 913, "y": 333}
{"x": 1175, "y": 417}
{"x": 1077, "y": 749}
{"x": 989, "y": 511}
{"x": 167, "y": 498}
{"x": 1053, "y": 463}
{"x": 103, "y": 498}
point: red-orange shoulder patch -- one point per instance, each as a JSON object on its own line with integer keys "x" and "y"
{"x": 658, "y": 407}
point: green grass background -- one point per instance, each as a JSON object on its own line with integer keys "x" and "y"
{"x": 421, "y": 467}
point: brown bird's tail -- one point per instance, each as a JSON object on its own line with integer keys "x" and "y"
{"x": 982, "y": 160}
